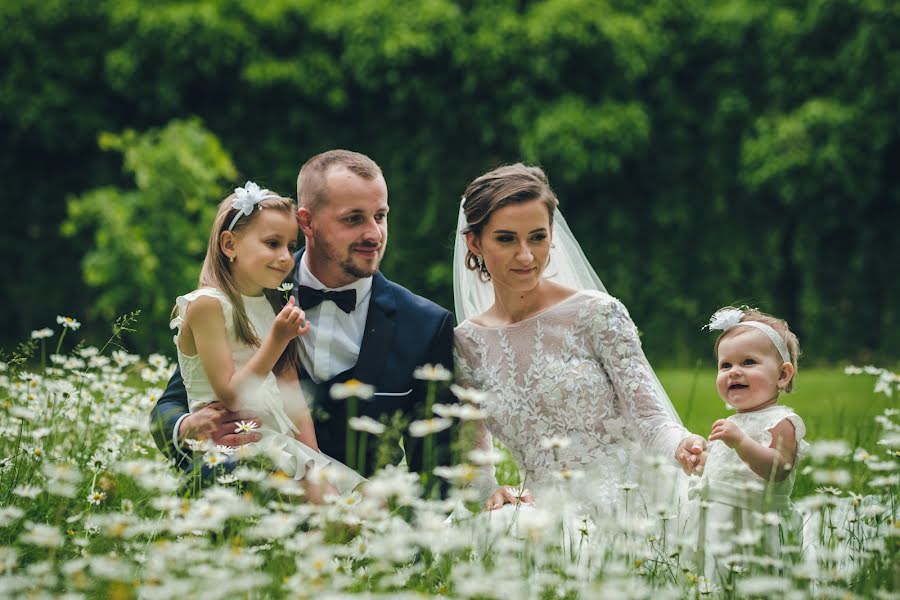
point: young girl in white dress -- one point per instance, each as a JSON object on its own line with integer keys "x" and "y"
{"x": 745, "y": 488}
{"x": 232, "y": 346}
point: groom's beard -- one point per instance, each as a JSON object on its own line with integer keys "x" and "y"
{"x": 345, "y": 258}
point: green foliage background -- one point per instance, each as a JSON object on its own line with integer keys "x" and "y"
{"x": 704, "y": 152}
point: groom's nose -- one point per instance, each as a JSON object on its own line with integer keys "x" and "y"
{"x": 373, "y": 232}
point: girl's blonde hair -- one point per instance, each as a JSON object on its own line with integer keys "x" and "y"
{"x": 216, "y": 273}
{"x": 779, "y": 325}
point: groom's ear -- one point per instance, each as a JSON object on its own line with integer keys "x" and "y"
{"x": 304, "y": 221}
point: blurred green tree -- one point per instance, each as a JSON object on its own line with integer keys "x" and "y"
{"x": 150, "y": 240}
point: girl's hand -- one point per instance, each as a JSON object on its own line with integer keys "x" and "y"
{"x": 289, "y": 323}
{"x": 508, "y": 495}
{"x": 728, "y": 432}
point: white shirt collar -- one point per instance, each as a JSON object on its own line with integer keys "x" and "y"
{"x": 363, "y": 286}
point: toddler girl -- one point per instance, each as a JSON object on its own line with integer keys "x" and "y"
{"x": 746, "y": 485}
{"x": 232, "y": 346}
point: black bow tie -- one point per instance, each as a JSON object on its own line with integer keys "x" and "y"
{"x": 311, "y": 297}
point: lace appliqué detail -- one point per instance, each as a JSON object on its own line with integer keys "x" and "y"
{"x": 576, "y": 370}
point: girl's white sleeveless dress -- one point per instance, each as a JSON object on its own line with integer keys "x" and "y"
{"x": 272, "y": 405}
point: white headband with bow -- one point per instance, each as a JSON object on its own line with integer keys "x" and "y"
{"x": 246, "y": 199}
{"x": 728, "y": 318}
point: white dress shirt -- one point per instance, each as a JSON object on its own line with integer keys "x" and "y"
{"x": 332, "y": 344}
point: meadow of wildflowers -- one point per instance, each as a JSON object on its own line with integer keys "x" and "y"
{"x": 89, "y": 508}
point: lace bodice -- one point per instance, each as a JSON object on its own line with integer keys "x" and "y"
{"x": 724, "y": 465}
{"x": 575, "y": 370}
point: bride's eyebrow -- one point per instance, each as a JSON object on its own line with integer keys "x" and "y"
{"x": 513, "y": 232}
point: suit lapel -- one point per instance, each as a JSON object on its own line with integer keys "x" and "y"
{"x": 379, "y": 332}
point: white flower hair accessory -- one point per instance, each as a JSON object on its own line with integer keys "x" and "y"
{"x": 725, "y": 319}
{"x": 246, "y": 199}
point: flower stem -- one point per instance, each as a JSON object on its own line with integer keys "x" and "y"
{"x": 361, "y": 454}
{"x": 62, "y": 335}
{"x": 350, "y": 440}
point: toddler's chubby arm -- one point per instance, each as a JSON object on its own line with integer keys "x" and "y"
{"x": 780, "y": 456}
{"x": 204, "y": 324}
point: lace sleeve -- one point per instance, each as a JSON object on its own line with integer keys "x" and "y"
{"x": 475, "y": 433}
{"x": 617, "y": 345}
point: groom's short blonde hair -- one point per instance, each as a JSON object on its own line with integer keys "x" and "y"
{"x": 312, "y": 180}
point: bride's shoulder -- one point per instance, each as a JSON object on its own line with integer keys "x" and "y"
{"x": 596, "y": 298}
{"x": 603, "y": 307}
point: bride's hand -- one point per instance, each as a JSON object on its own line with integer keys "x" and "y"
{"x": 691, "y": 453}
{"x": 508, "y": 495}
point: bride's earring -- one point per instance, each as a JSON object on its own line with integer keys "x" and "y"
{"x": 479, "y": 259}
{"x": 230, "y": 259}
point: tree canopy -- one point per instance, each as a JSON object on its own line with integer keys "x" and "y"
{"x": 705, "y": 153}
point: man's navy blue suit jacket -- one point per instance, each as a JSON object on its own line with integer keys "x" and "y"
{"x": 403, "y": 331}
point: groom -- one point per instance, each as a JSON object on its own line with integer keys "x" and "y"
{"x": 364, "y": 327}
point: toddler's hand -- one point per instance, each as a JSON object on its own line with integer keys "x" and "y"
{"x": 690, "y": 453}
{"x": 701, "y": 462}
{"x": 728, "y": 432}
{"x": 289, "y": 323}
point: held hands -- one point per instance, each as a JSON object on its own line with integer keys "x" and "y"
{"x": 508, "y": 495}
{"x": 214, "y": 422}
{"x": 728, "y": 432}
{"x": 289, "y": 323}
{"x": 691, "y": 453}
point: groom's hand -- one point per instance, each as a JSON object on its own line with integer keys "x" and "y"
{"x": 216, "y": 423}
{"x": 508, "y": 495}
{"x": 691, "y": 453}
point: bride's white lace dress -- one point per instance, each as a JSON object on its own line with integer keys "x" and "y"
{"x": 575, "y": 370}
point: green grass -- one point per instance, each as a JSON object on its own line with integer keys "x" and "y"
{"x": 832, "y": 405}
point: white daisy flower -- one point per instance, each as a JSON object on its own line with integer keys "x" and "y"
{"x": 429, "y": 372}
{"x": 428, "y": 426}
{"x": 367, "y": 424}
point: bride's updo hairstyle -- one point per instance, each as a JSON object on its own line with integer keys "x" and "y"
{"x": 509, "y": 184}
{"x": 216, "y": 271}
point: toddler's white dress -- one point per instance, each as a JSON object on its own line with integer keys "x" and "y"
{"x": 272, "y": 405}
{"x": 731, "y": 503}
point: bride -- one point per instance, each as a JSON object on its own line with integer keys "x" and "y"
{"x": 570, "y": 391}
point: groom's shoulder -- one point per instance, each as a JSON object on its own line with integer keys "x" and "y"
{"x": 414, "y": 304}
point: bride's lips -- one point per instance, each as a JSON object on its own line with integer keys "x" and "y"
{"x": 523, "y": 271}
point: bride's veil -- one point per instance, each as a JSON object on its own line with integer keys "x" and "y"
{"x": 568, "y": 266}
